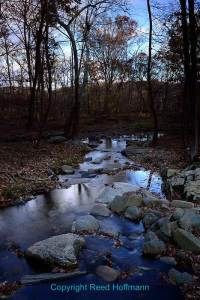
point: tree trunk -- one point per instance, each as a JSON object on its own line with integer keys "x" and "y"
{"x": 150, "y": 94}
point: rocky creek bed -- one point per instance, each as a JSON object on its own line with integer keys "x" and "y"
{"x": 111, "y": 222}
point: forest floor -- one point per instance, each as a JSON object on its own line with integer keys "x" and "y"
{"x": 27, "y": 166}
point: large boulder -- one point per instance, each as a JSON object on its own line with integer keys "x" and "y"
{"x": 154, "y": 247}
{"x": 121, "y": 203}
{"x": 86, "y": 223}
{"x": 59, "y": 250}
{"x": 177, "y": 277}
{"x": 186, "y": 240}
{"x": 100, "y": 210}
{"x": 133, "y": 213}
{"x": 190, "y": 220}
{"x": 117, "y": 189}
{"x": 149, "y": 219}
{"x": 150, "y": 200}
{"x": 107, "y": 273}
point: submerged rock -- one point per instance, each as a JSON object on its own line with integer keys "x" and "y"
{"x": 169, "y": 260}
{"x": 107, "y": 273}
{"x": 186, "y": 240}
{"x": 177, "y": 277}
{"x": 86, "y": 223}
{"x": 100, "y": 210}
{"x": 59, "y": 250}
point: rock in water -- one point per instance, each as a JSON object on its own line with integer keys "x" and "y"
{"x": 177, "y": 277}
{"x": 100, "y": 210}
{"x": 186, "y": 240}
{"x": 117, "y": 189}
{"x": 154, "y": 247}
{"x": 133, "y": 213}
{"x": 168, "y": 260}
{"x": 86, "y": 223}
{"x": 59, "y": 250}
{"x": 107, "y": 273}
{"x": 68, "y": 170}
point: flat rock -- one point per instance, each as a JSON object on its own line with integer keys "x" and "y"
{"x": 59, "y": 250}
{"x": 47, "y": 277}
{"x": 186, "y": 240}
{"x": 117, "y": 189}
{"x": 100, "y": 210}
{"x": 100, "y": 159}
{"x": 86, "y": 223}
{"x": 192, "y": 190}
{"x": 107, "y": 273}
{"x": 68, "y": 170}
{"x": 182, "y": 204}
{"x": 177, "y": 277}
{"x": 169, "y": 260}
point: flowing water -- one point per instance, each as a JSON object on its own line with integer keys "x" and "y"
{"x": 53, "y": 214}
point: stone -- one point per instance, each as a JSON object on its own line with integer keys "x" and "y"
{"x": 88, "y": 159}
{"x": 149, "y": 219}
{"x": 47, "y": 277}
{"x": 177, "y": 277}
{"x": 59, "y": 250}
{"x": 85, "y": 223}
{"x": 150, "y": 200}
{"x": 182, "y": 204}
{"x": 166, "y": 230}
{"x": 133, "y": 213}
{"x": 108, "y": 194}
{"x": 100, "y": 159}
{"x": 197, "y": 174}
{"x": 100, "y": 210}
{"x": 186, "y": 240}
{"x": 190, "y": 220}
{"x": 150, "y": 236}
{"x": 134, "y": 150}
{"x": 134, "y": 200}
{"x": 169, "y": 260}
{"x": 154, "y": 247}
{"x": 107, "y": 273}
{"x": 177, "y": 214}
{"x": 68, "y": 170}
{"x": 118, "y": 205}
{"x": 192, "y": 190}
{"x": 172, "y": 172}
